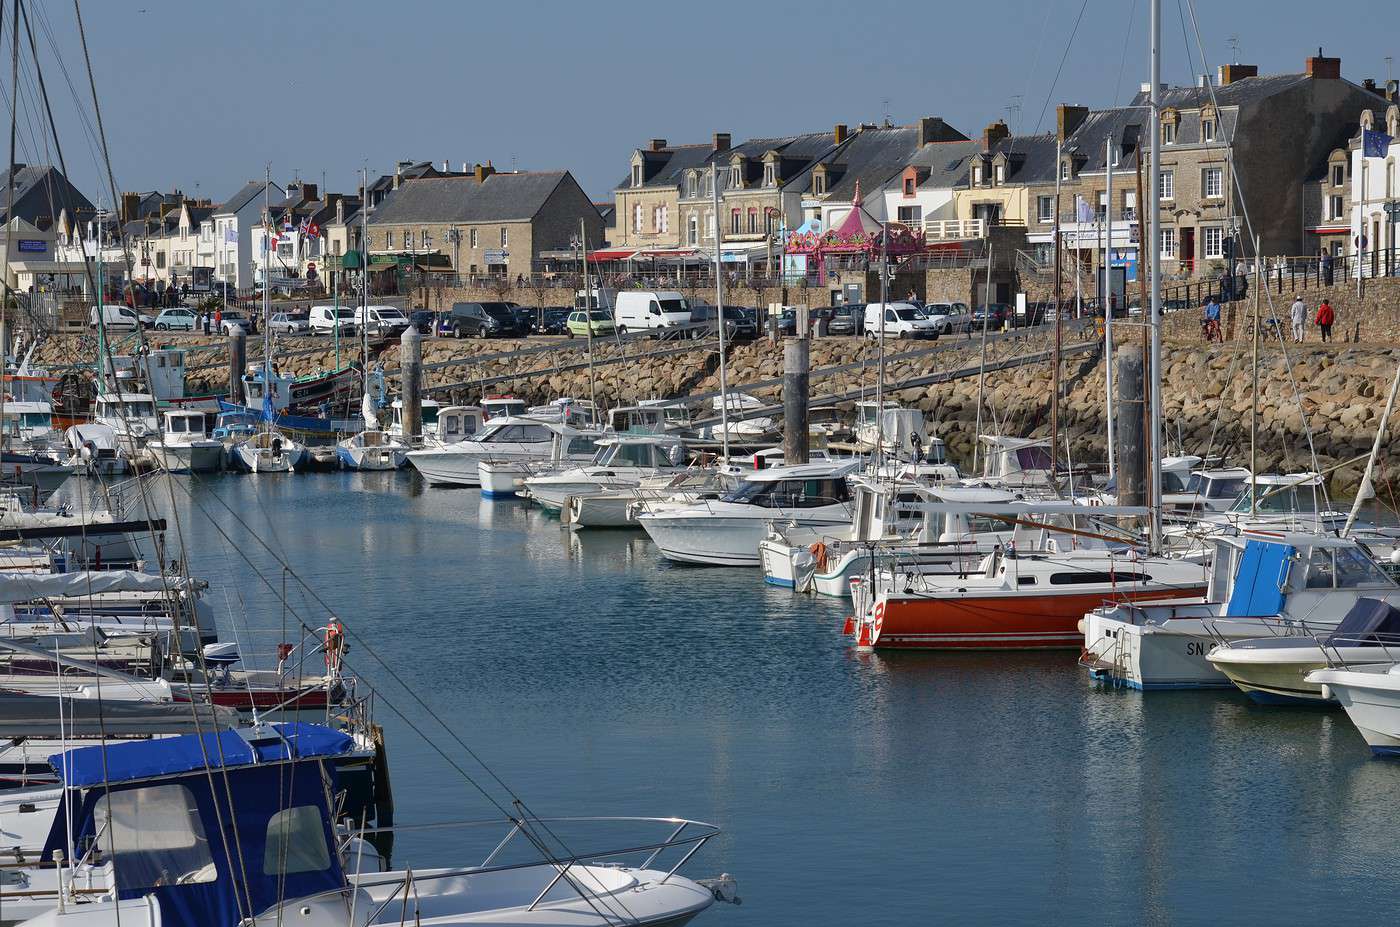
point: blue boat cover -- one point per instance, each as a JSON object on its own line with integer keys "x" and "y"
{"x": 116, "y": 763}
{"x": 1258, "y": 587}
{"x": 1369, "y": 622}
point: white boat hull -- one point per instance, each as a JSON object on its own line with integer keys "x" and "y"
{"x": 269, "y": 460}
{"x": 1371, "y": 697}
{"x": 1279, "y": 676}
{"x": 1167, "y": 654}
{"x": 501, "y": 478}
{"x": 195, "y": 457}
{"x": 447, "y": 467}
{"x": 385, "y": 457}
{"x": 601, "y": 510}
{"x": 721, "y": 540}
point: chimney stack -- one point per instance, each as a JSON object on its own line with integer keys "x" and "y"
{"x": 993, "y": 134}
{"x": 1068, "y": 118}
{"x": 309, "y": 191}
{"x": 1321, "y": 68}
{"x": 934, "y": 129}
{"x": 722, "y": 141}
{"x": 1229, "y": 73}
{"x": 484, "y": 170}
{"x": 658, "y": 144}
{"x": 839, "y": 133}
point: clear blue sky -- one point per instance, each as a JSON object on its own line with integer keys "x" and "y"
{"x": 200, "y": 95}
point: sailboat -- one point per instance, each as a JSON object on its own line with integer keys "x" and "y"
{"x": 372, "y": 448}
{"x": 268, "y": 451}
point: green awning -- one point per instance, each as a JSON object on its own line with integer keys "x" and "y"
{"x": 351, "y": 260}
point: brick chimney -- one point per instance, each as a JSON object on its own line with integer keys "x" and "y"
{"x": 721, "y": 141}
{"x": 486, "y": 170}
{"x": 934, "y": 129}
{"x": 1321, "y": 68}
{"x": 1068, "y": 118}
{"x": 839, "y": 133}
{"x": 131, "y": 202}
{"x": 657, "y": 144}
{"x": 1229, "y": 73}
{"x": 309, "y": 191}
{"x": 994, "y": 133}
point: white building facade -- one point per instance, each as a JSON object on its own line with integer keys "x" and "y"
{"x": 1375, "y": 198}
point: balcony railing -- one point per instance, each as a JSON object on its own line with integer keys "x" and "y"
{"x": 954, "y": 229}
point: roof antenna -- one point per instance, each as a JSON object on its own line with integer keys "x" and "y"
{"x": 885, "y": 109}
{"x": 1234, "y": 43}
{"x": 1013, "y": 112}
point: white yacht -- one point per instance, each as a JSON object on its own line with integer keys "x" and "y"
{"x": 510, "y": 439}
{"x": 623, "y": 461}
{"x": 184, "y": 445}
{"x": 1273, "y": 669}
{"x": 131, "y": 416}
{"x": 726, "y": 531}
{"x": 270, "y": 451}
{"x": 1260, "y": 583}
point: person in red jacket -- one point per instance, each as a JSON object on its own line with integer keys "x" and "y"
{"x": 1324, "y": 320}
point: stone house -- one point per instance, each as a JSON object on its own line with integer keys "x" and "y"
{"x": 922, "y": 195}
{"x": 485, "y": 223}
{"x": 995, "y": 190}
{"x": 647, "y": 202}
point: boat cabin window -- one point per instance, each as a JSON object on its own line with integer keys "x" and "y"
{"x": 35, "y": 420}
{"x": 1216, "y": 488}
{"x": 153, "y": 836}
{"x": 1087, "y": 577}
{"x": 631, "y": 455}
{"x": 140, "y": 409}
{"x": 1175, "y": 482}
{"x": 790, "y": 494}
{"x": 177, "y": 425}
{"x": 1033, "y": 458}
{"x": 580, "y": 445}
{"x": 907, "y": 516}
{"x": 296, "y": 842}
{"x": 522, "y": 434}
{"x": 1343, "y": 568}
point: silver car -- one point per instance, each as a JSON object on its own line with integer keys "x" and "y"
{"x": 290, "y": 323}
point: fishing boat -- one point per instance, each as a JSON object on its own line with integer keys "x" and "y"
{"x": 304, "y": 395}
{"x": 184, "y": 445}
{"x": 726, "y": 531}
{"x": 1276, "y": 584}
{"x": 1273, "y": 670}
{"x": 371, "y": 450}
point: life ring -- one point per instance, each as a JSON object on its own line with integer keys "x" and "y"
{"x": 879, "y": 622}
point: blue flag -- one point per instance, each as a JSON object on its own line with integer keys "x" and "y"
{"x": 1374, "y": 144}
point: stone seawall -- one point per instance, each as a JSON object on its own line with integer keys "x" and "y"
{"x": 1206, "y": 389}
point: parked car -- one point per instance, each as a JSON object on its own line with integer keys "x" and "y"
{"x": 787, "y": 321}
{"x": 327, "y": 319}
{"x": 640, "y": 310}
{"x": 551, "y": 320}
{"x": 898, "y": 320}
{"x": 740, "y": 322}
{"x": 234, "y": 322}
{"x": 115, "y": 316}
{"x": 848, "y": 319}
{"x": 178, "y": 319}
{"x": 952, "y": 317}
{"x": 382, "y": 321}
{"x": 992, "y": 316}
{"x": 582, "y": 322}
{"x": 290, "y": 323}
{"x": 482, "y": 320}
{"x": 425, "y": 320}
{"x": 745, "y": 321}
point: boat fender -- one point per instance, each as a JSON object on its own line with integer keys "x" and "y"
{"x": 850, "y": 626}
{"x": 1326, "y": 692}
{"x": 1079, "y": 625}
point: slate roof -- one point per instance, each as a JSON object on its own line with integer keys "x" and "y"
{"x": 246, "y": 194}
{"x": 947, "y": 163}
{"x": 665, "y": 168}
{"x": 41, "y": 192}
{"x": 1242, "y": 92}
{"x": 500, "y": 197}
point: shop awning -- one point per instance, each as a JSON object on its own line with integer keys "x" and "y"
{"x": 377, "y": 268}
{"x": 611, "y": 254}
{"x": 351, "y": 260}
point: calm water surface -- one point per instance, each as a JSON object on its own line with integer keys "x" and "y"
{"x": 595, "y": 678}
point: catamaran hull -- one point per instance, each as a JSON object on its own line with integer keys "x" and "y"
{"x": 995, "y": 622}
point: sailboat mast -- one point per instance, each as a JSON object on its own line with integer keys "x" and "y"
{"x": 588, "y": 311}
{"x": 1107, "y": 265}
{"x": 364, "y": 280}
{"x": 1253, "y": 390}
{"x": 267, "y": 296}
{"x": 719, "y": 313}
{"x": 1059, "y": 311}
{"x": 877, "y": 455}
{"x": 1154, "y": 250}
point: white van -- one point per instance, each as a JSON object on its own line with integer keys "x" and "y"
{"x": 899, "y": 320}
{"x": 639, "y": 310}
{"x": 382, "y": 320}
{"x": 115, "y": 316}
{"x": 326, "y": 319}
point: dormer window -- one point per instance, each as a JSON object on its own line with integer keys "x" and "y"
{"x": 819, "y": 183}
{"x": 1339, "y": 175}
{"x": 690, "y": 185}
{"x": 636, "y": 175}
{"x": 1168, "y": 133}
{"x": 1207, "y": 130}
{"x": 1064, "y": 170}
{"x": 977, "y": 175}
{"x": 736, "y": 177}
{"x": 999, "y": 173}
{"x": 770, "y": 176}
{"x": 908, "y": 186}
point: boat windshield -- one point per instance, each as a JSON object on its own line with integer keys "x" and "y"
{"x": 1175, "y": 482}
{"x": 1274, "y": 500}
{"x": 629, "y": 455}
{"x": 1343, "y": 568}
{"x": 140, "y": 409}
{"x": 790, "y": 494}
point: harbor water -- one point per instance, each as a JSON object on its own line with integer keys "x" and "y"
{"x": 595, "y": 678}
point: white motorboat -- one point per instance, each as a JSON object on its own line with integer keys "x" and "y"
{"x": 270, "y": 451}
{"x": 1371, "y": 696}
{"x": 96, "y": 448}
{"x": 619, "y": 507}
{"x": 726, "y": 531}
{"x": 510, "y": 438}
{"x": 429, "y": 412}
{"x": 184, "y": 446}
{"x": 622, "y": 462}
{"x": 131, "y": 416}
{"x": 1261, "y": 583}
{"x": 371, "y": 450}
{"x": 1273, "y": 670}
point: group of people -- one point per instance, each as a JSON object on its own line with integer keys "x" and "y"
{"x": 1324, "y": 319}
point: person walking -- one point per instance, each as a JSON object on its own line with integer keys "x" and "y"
{"x": 1325, "y": 319}
{"x": 1299, "y": 315}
